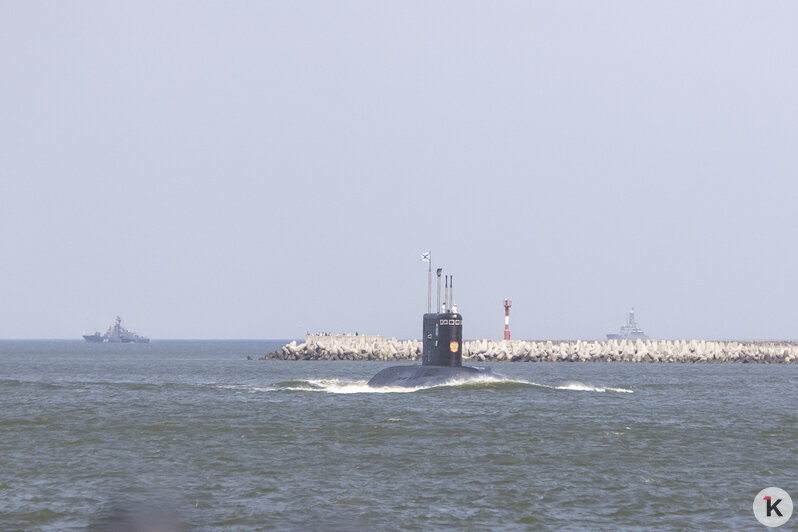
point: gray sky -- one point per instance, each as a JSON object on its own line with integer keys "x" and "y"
{"x": 260, "y": 169}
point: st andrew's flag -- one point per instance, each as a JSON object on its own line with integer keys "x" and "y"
{"x": 425, "y": 256}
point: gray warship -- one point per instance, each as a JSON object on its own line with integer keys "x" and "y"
{"x": 116, "y": 333}
{"x": 629, "y": 331}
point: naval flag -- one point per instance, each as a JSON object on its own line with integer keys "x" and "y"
{"x": 425, "y": 256}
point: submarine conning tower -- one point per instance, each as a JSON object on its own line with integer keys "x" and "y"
{"x": 443, "y": 331}
{"x": 443, "y": 339}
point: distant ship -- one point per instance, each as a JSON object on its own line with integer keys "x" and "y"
{"x": 116, "y": 333}
{"x": 629, "y": 331}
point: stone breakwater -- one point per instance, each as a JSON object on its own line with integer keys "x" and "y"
{"x": 690, "y": 351}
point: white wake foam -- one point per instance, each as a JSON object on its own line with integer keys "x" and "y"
{"x": 347, "y": 387}
{"x": 341, "y": 386}
{"x": 582, "y": 387}
{"x": 244, "y": 387}
{"x": 361, "y": 386}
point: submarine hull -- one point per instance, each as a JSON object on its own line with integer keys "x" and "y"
{"x": 417, "y": 376}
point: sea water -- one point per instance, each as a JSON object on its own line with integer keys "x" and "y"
{"x": 192, "y": 435}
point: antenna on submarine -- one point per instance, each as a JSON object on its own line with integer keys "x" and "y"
{"x": 446, "y": 294}
{"x": 429, "y": 282}
{"x": 438, "y": 308}
{"x": 427, "y": 257}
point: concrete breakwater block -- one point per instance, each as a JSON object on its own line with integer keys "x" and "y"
{"x": 348, "y": 347}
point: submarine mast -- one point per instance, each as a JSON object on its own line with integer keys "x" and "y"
{"x": 438, "y": 306}
{"x": 427, "y": 257}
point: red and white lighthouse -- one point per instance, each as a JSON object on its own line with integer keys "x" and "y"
{"x": 507, "y": 304}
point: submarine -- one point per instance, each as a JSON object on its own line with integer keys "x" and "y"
{"x": 442, "y": 353}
